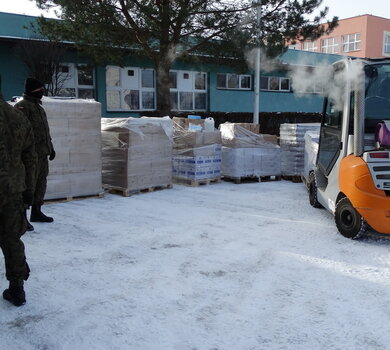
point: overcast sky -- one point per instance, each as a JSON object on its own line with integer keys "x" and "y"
{"x": 340, "y": 8}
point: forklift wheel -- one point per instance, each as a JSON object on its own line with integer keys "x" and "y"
{"x": 348, "y": 221}
{"x": 313, "y": 191}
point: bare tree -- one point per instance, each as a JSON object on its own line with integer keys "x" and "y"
{"x": 43, "y": 60}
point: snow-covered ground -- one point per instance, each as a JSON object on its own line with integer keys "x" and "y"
{"x": 223, "y": 266}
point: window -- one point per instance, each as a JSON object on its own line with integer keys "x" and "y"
{"x": 147, "y": 78}
{"x": 73, "y": 81}
{"x": 186, "y": 101}
{"x": 131, "y": 98}
{"x": 318, "y": 88}
{"x": 285, "y": 84}
{"x": 309, "y": 81}
{"x": 274, "y": 83}
{"x": 200, "y": 101}
{"x": 309, "y": 45}
{"x": 85, "y": 82}
{"x": 148, "y": 99}
{"x": 200, "y": 81}
{"x": 245, "y": 82}
{"x": 234, "y": 81}
{"x": 173, "y": 80}
{"x": 174, "y": 100}
{"x": 329, "y": 45}
{"x": 330, "y": 138}
{"x": 264, "y": 83}
{"x": 293, "y": 46}
{"x": 386, "y": 43}
{"x": 351, "y": 42}
{"x": 310, "y": 88}
{"x": 221, "y": 81}
{"x": 130, "y": 89}
{"x": 333, "y": 117}
{"x": 188, "y": 90}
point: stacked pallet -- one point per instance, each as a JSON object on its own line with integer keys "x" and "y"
{"x": 196, "y": 152}
{"x": 136, "y": 153}
{"x": 248, "y": 154}
{"x": 292, "y": 144}
{"x": 75, "y": 130}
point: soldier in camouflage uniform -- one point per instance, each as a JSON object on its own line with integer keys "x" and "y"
{"x": 31, "y": 107}
{"x": 17, "y": 179}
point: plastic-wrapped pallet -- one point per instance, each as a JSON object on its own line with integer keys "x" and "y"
{"x": 241, "y": 135}
{"x": 250, "y": 162}
{"x": 292, "y": 144}
{"x": 248, "y": 154}
{"x": 75, "y": 130}
{"x": 136, "y": 153}
{"x": 311, "y": 151}
{"x": 196, "y": 153}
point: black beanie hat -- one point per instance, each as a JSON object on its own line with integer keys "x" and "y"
{"x": 32, "y": 84}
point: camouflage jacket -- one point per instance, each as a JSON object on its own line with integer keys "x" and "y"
{"x": 17, "y": 151}
{"x": 31, "y": 107}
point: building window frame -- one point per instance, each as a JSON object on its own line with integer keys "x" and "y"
{"x": 233, "y": 81}
{"x": 309, "y": 45}
{"x": 275, "y": 84}
{"x": 188, "y": 90}
{"x": 314, "y": 89}
{"x": 351, "y": 42}
{"x": 130, "y": 89}
{"x": 329, "y": 45}
{"x": 386, "y": 43}
{"x": 70, "y": 79}
{"x": 295, "y": 46}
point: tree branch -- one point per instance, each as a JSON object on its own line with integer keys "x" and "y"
{"x": 276, "y": 8}
{"x": 221, "y": 11}
{"x": 138, "y": 33}
{"x": 202, "y": 42}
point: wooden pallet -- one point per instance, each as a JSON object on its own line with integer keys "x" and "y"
{"x": 196, "y": 183}
{"x": 295, "y": 179}
{"x": 73, "y": 198}
{"x": 126, "y": 192}
{"x": 246, "y": 179}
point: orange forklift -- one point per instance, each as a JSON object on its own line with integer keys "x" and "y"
{"x": 352, "y": 174}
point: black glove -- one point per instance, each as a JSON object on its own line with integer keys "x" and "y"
{"x": 52, "y": 155}
{"x": 28, "y": 198}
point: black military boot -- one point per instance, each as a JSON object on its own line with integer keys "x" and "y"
{"x": 38, "y": 216}
{"x": 15, "y": 295}
{"x": 29, "y": 226}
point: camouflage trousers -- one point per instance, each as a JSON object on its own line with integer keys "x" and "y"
{"x": 41, "y": 172}
{"x": 12, "y": 227}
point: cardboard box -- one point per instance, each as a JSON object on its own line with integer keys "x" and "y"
{"x": 186, "y": 123}
{"x": 255, "y": 128}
